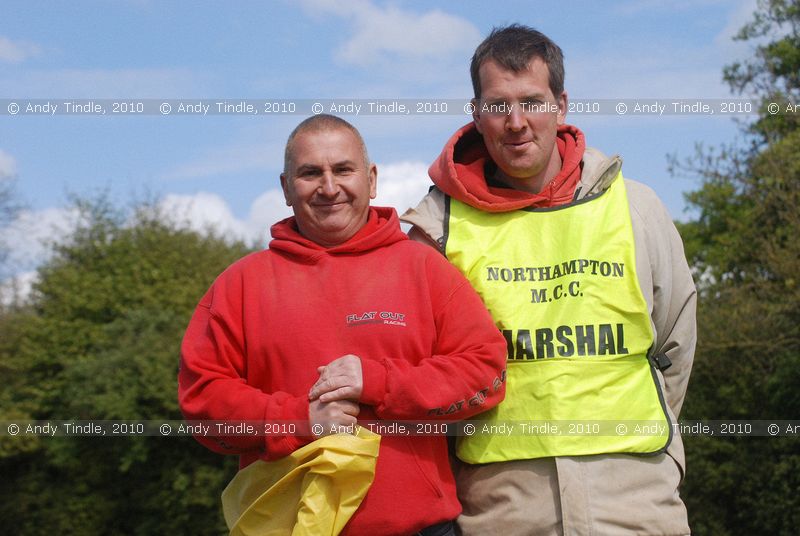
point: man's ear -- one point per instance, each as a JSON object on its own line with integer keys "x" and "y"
{"x": 373, "y": 181}
{"x": 285, "y": 188}
{"x": 476, "y": 113}
{"x": 563, "y": 102}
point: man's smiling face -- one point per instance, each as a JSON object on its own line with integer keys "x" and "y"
{"x": 329, "y": 185}
{"x": 519, "y": 116}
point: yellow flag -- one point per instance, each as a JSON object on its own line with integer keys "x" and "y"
{"x": 313, "y": 491}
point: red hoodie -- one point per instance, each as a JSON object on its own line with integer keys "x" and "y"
{"x": 459, "y": 172}
{"x": 253, "y": 346}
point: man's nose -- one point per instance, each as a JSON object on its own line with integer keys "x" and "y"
{"x": 516, "y": 119}
{"x": 328, "y": 185}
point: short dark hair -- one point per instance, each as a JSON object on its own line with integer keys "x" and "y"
{"x": 513, "y": 47}
{"x": 315, "y": 123}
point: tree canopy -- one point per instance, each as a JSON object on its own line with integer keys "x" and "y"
{"x": 743, "y": 247}
{"x": 100, "y": 340}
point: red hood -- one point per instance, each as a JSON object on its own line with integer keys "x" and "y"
{"x": 382, "y": 229}
{"x": 458, "y": 172}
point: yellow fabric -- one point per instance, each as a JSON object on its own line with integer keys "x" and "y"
{"x": 561, "y": 285}
{"x": 313, "y": 491}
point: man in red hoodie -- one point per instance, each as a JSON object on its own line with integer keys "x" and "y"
{"x": 584, "y": 273}
{"x": 343, "y": 319}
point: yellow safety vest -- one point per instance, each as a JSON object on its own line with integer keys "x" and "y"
{"x": 561, "y": 285}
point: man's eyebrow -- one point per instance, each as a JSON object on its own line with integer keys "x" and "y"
{"x": 344, "y": 163}
{"x": 534, "y": 95}
{"x": 305, "y": 168}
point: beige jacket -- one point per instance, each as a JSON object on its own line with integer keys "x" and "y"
{"x": 604, "y": 494}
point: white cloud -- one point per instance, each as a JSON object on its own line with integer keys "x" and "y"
{"x": 30, "y": 235}
{"x": 402, "y": 184}
{"x": 267, "y": 209}
{"x": 391, "y": 33}
{"x": 205, "y": 212}
{"x": 8, "y": 166}
{"x": 16, "y": 51}
{"x": 16, "y": 289}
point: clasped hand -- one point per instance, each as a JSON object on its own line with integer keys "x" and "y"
{"x": 334, "y": 397}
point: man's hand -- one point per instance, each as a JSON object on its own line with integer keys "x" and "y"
{"x": 331, "y": 415}
{"x": 339, "y": 380}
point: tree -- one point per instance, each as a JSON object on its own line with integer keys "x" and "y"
{"x": 100, "y": 340}
{"x": 743, "y": 246}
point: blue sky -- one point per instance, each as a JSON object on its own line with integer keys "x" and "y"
{"x": 222, "y": 170}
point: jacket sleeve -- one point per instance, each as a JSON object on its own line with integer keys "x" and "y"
{"x": 465, "y": 374}
{"x": 212, "y": 384}
{"x": 427, "y": 219}
{"x": 668, "y": 288}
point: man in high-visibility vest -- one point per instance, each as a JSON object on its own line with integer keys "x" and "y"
{"x": 584, "y": 274}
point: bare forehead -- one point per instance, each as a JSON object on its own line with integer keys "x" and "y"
{"x": 499, "y": 81}
{"x": 337, "y": 144}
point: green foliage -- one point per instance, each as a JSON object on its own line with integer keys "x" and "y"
{"x": 745, "y": 250}
{"x": 773, "y": 73}
{"x": 100, "y": 340}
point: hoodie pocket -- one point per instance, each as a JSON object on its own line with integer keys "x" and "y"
{"x": 421, "y": 448}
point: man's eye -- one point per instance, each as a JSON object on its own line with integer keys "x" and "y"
{"x": 495, "y": 107}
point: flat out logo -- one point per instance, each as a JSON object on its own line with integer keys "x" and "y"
{"x": 376, "y": 317}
